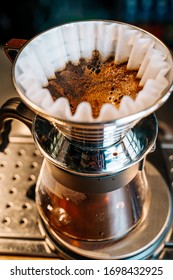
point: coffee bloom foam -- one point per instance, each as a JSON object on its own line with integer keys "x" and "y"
{"x": 50, "y": 51}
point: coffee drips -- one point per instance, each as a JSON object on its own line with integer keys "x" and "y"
{"x": 96, "y": 81}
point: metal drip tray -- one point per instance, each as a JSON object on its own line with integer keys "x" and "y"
{"x": 20, "y": 231}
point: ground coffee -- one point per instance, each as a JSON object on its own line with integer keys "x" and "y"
{"x": 95, "y": 80}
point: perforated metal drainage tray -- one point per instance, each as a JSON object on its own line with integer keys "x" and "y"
{"x": 20, "y": 232}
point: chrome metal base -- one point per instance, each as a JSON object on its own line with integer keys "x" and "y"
{"x": 143, "y": 242}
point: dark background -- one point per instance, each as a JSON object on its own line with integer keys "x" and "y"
{"x": 25, "y": 18}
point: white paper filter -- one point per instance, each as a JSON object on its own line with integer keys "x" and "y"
{"x": 50, "y": 51}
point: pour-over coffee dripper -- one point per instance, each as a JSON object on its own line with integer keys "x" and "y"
{"x": 92, "y": 189}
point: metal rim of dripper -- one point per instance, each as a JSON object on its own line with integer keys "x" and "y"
{"x": 94, "y": 132}
{"x": 117, "y": 169}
